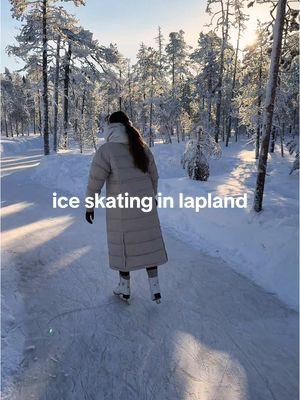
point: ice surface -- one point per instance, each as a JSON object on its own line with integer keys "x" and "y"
{"x": 216, "y": 335}
{"x": 264, "y": 246}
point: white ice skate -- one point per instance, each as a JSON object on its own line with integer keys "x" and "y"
{"x": 123, "y": 290}
{"x": 154, "y": 289}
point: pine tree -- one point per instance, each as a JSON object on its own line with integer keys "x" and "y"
{"x": 228, "y": 13}
{"x": 206, "y": 61}
{"x": 34, "y": 38}
{"x": 177, "y": 56}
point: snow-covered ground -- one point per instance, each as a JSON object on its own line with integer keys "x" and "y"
{"x": 12, "y": 312}
{"x": 19, "y": 145}
{"x": 216, "y": 335}
{"x": 264, "y": 246}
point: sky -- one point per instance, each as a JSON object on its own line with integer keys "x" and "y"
{"x": 131, "y": 22}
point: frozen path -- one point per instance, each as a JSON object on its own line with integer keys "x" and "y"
{"x": 215, "y": 336}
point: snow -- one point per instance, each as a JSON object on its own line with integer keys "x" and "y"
{"x": 264, "y": 246}
{"x": 261, "y": 246}
{"x": 18, "y": 145}
{"x": 12, "y": 309}
{"x": 215, "y": 334}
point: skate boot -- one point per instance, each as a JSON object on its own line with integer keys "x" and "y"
{"x": 123, "y": 290}
{"x": 154, "y": 289}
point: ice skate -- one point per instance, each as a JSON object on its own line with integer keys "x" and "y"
{"x": 123, "y": 290}
{"x": 155, "y": 289}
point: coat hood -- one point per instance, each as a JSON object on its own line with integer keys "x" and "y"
{"x": 116, "y": 132}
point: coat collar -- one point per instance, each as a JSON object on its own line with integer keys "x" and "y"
{"x": 116, "y": 132}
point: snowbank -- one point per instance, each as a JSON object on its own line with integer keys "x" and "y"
{"x": 18, "y": 145}
{"x": 261, "y": 246}
{"x": 264, "y": 246}
{"x": 66, "y": 172}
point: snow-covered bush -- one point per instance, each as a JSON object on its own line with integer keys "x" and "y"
{"x": 196, "y": 155}
{"x": 195, "y": 162}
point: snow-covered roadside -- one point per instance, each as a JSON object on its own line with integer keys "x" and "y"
{"x": 18, "y": 145}
{"x": 263, "y": 247}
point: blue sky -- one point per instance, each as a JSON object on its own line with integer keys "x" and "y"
{"x": 130, "y": 22}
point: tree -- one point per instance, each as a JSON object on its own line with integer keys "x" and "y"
{"x": 269, "y": 104}
{"x": 228, "y": 13}
{"x": 147, "y": 76}
{"x": 16, "y": 103}
{"x": 177, "y": 56}
{"x": 56, "y": 87}
{"x": 253, "y": 77}
{"x": 206, "y": 61}
{"x": 34, "y": 38}
{"x": 240, "y": 21}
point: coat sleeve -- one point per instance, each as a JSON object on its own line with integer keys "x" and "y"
{"x": 99, "y": 172}
{"x": 153, "y": 171}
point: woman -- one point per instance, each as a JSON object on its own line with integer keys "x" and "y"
{"x": 134, "y": 237}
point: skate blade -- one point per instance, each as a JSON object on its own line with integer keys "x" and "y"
{"x": 121, "y": 296}
{"x": 157, "y": 298}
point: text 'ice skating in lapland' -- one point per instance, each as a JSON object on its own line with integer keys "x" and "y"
{"x": 146, "y": 203}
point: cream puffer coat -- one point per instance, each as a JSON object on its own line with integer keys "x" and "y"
{"x": 134, "y": 237}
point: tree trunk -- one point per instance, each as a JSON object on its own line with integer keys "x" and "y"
{"x": 228, "y": 134}
{"x": 5, "y": 123}
{"x": 224, "y": 123}
{"x": 258, "y": 126}
{"x": 209, "y": 89}
{"x": 269, "y": 105}
{"x": 282, "y": 140}
{"x": 151, "y": 141}
{"x": 120, "y": 91}
{"x": 82, "y": 112}
{"x": 34, "y": 122}
{"x": 66, "y": 96}
{"x": 11, "y": 127}
{"x": 76, "y": 111}
{"x": 144, "y": 122}
{"x": 150, "y": 125}
{"x": 45, "y": 81}
{"x": 257, "y": 142}
{"x": 236, "y": 128}
{"x": 40, "y": 112}
{"x": 56, "y": 84}
{"x": 220, "y": 81}
{"x": 130, "y": 92}
{"x": 295, "y": 120}
{"x": 273, "y": 137}
{"x": 173, "y": 73}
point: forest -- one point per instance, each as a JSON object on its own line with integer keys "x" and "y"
{"x": 213, "y": 90}
{"x": 216, "y": 92}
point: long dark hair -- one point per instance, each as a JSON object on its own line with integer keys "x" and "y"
{"x": 137, "y": 146}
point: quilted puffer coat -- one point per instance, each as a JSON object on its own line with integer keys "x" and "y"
{"x": 134, "y": 237}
